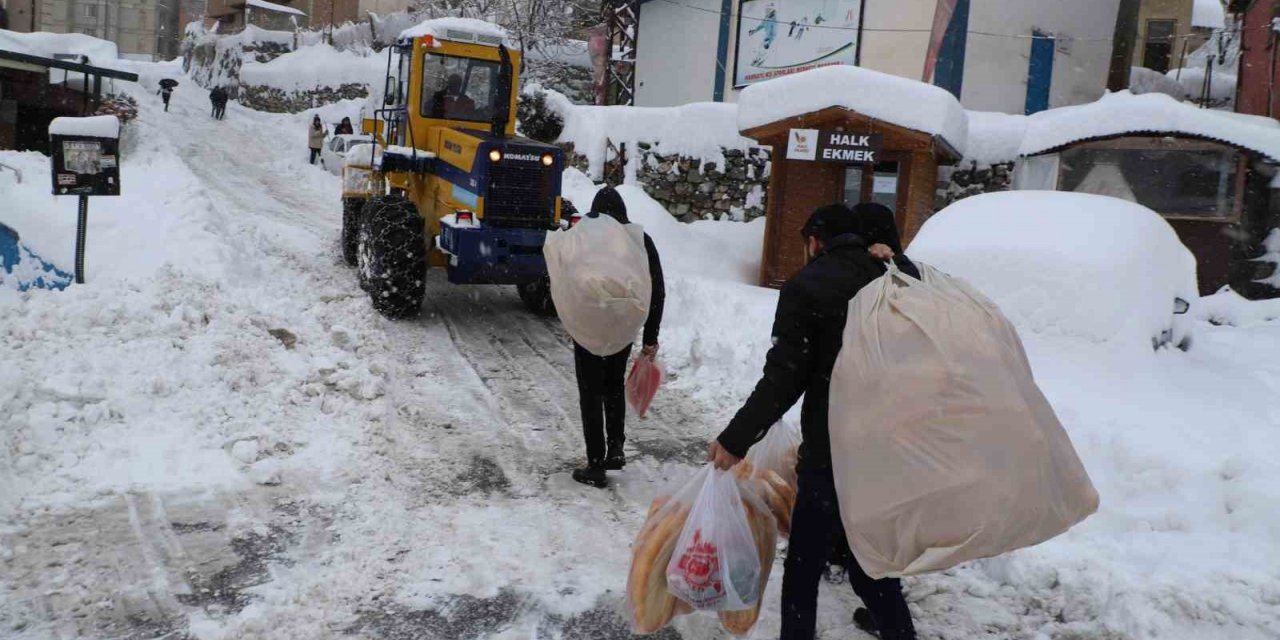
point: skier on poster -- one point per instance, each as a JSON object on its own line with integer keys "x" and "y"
{"x": 770, "y": 28}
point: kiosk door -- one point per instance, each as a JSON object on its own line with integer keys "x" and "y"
{"x": 878, "y": 183}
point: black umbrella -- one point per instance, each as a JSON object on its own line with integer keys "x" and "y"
{"x": 169, "y": 83}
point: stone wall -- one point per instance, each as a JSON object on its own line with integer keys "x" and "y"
{"x": 572, "y": 81}
{"x": 958, "y": 183}
{"x": 693, "y": 189}
{"x": 278, "y": 101}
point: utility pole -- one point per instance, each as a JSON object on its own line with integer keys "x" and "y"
{"x": 1122, "y": 44}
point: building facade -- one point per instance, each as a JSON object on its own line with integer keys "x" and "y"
{"x": 1258, "y": 87}
{"x": 142, "y": 29}
{"x": 1014, "y": 56}
{"x": 1169, "y": 30}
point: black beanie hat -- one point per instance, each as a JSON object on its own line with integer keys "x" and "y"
{"x": 609, "y": 202}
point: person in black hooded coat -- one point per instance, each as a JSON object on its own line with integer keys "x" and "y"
{"x": 847, "y": 248}
{"x": 601, "y": 379}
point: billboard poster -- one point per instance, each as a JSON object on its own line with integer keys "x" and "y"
{"x": 781, "y": 37}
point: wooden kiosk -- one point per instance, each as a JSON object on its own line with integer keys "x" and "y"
{"x": 839, "y": 155}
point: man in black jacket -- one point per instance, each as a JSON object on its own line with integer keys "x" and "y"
{"x": 846, "y": 249}
{"x": 601, "y": 379}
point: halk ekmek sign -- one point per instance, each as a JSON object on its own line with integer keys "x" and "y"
{"x": 834, "y": 146}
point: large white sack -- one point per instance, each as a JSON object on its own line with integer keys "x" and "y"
{"x": 600, "y": 282}
{"x": 944, "y": 449}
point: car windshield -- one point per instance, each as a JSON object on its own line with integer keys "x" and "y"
{"x": 456, "y": 88}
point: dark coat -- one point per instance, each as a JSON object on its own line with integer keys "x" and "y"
{"x": 808, "y": 330}
{"x": 609, "y": 202}
{"x": 343, "y": 127}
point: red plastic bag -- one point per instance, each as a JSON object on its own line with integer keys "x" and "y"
{"x": 642, "y": 384}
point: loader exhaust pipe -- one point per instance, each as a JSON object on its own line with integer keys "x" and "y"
{"x": 502, "y": 110}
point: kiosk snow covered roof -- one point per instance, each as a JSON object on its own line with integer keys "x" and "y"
{"x": 847, "y": 134}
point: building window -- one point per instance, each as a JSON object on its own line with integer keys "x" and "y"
{"x": 1158, "y": 49}
{"x": 1177, "y": 179}
{"x": 89, "y": 10}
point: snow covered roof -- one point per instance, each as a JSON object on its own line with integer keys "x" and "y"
{"x": 459, "y": 30}
{"x": 994, "y": 137}
{"x": 95, "y": 126}
{"x": 1120, "y": 114}
{"x": 906, "y": 103}
{"x": 271, "y": 6}
{"x": 1208, "y": 14}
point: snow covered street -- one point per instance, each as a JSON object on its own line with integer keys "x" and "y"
{"x": 217, "y": 437}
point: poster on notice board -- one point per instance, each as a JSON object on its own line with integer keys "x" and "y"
{"x": 778, "y": 38}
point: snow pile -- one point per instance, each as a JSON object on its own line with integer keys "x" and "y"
{"x": 1222, "y": 84}
{"x": 1123, "y": 113}
{"x": 1208, "y": 14}
{"x": 314, "y": 66}
{"x": 457, "y": 29}
{"x": 1231, "y": 308}
{"x": 102, "y": 53}
{"x": 702, "y": 130}
{"x": 95, "y": 126}
{"x": 1066, "y": 264}
{"x": 906, "y": 103}
{"x": 1143, "y": 80}
{"x": 994, "y": 137}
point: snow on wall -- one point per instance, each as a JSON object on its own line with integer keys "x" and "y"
{"x": 316, "y": 66}
{"x": 906, "y": 103}
{"x": 1066, "y": 264}
{"x": 700, "y": 130}
{"x": 1124, "y": 113}
{"x": 994, "y": 137}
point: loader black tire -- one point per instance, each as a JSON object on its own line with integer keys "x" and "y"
{"x": 392, "y": 256}
{"x": 536, "y": 297}
{"x": 351, "y": 210}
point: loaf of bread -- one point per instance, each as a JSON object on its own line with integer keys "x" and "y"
{"x": 652, "y": 606}
{"x": 764, "y": 532}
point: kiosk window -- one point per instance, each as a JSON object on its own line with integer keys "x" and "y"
{"x": 872, "y": 184}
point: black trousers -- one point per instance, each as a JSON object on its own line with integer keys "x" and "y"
{"x": 815, "y": 531}
{"x": 165, "y": 97}
{"x": 315, "y": 153}
{"x": 220, "y": 111}
{"x": 602, "y": 398}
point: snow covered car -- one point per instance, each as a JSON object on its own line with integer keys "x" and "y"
{"x": 335, "y": 150}
{"x": 1069, "y": 264}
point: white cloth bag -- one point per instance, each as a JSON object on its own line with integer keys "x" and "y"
{"x": 943, "y": 448}
{"x": 600, "y": 282}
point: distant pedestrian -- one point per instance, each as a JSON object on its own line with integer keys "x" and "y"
{"x": 219, "y": 99}
{"x": 344, "y": 127}
{"x": 315, "y": 138}
{"x": 166, "y": 90}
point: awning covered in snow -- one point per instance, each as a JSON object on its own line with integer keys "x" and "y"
{"x": 1124, "y": 114}
{"x": 271, "y": 6}
{"x": 1208, "y": 14}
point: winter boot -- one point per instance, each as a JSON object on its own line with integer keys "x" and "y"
{"x": 592, "y": 474}
{"x": 862, "y": 619}
{"x": 615, "y": 460}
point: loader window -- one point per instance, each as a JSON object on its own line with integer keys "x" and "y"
{"x": 456, "y": 88}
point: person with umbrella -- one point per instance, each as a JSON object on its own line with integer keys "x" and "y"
{"x": 166, "y": 90}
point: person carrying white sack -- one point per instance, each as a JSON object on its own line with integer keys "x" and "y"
{"x": 846, "y": 250}
{"x": 601, "y": 378}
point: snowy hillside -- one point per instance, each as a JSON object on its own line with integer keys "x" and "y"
{"x": 216, "y": 437}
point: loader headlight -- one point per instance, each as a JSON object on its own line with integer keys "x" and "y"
{"x": 495, "y": 155}
{"x": 548, "y": 160}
